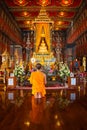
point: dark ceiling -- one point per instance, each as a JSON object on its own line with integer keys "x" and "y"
{"x": 62, "y": 12}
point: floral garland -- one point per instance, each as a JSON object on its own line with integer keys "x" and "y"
{"x": 18, "y": 71}
{"x": 64, "y": 70}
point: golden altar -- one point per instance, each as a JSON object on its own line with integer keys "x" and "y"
{"x": 43, "y": 50}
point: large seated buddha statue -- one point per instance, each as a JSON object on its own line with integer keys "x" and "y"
{"x": 43, "y": 47}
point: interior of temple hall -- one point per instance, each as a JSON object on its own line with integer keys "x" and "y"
{"x": 45, "y": 40}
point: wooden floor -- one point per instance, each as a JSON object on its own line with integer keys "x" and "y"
{"x": 59, "y": 110}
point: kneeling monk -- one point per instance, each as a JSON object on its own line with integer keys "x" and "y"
{"x": 38, "y": 81}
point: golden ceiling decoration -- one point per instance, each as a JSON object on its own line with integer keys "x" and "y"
{"x": 62, "y": 14}
{"x": 27, "y": 22}
{"x": 59, "y": 22}
{"x": 44, "y": 2}
{"x": 43, "y": 17}
{"x": 66, "y": 2}
{"x": 21, "y": 2}
{"x": 25, "y": 14}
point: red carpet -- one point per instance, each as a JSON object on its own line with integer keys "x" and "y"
{"x": 55, "y": 87}
{"x": 29, "y": 88}
{"x": 47, "y": 88}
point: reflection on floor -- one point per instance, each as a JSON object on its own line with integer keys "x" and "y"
{"x": 63, "y": 109}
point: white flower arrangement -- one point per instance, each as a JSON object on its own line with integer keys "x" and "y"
{"x": 18, "y": 71}
{"x": 64, "y": 70}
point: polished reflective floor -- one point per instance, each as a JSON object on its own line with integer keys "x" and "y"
{"x": 59, "y": 110}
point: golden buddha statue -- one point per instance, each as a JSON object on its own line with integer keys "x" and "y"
{"x": 43, "y": 48}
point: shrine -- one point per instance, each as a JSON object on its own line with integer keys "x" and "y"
{"x": 43, "y": 64}
{"x": 43, "y": 50}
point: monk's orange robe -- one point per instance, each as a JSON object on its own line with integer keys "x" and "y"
{"x": 37, "y": 79}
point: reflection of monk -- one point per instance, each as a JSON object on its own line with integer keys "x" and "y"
{"x": 38, "y": 106}
{"x": 38, "y": 81}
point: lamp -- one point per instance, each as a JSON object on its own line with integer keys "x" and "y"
{"x": 21, "y": 2}
{"x": 43, "y": 2}
{"x": 66, "y": 2}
